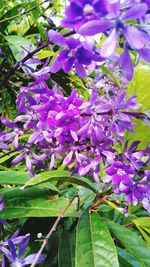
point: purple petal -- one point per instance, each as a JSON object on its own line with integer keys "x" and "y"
{"x": 29, "y": 165}
{"x": 145, "y": 54}
{"x": 55, "y": 66}
{"x": 7, "y": 253}
{"x": 73, "y": 43}
{"x": 7, "y": 123}
{"x": 15, "y": 141}
{"x": 52, "y": 161}
{"x": 67, "y": 65}
{"x": 1, "y": 206}
{"x": 135, "y": 12}
{"x": 80, "y": 70}
{"x": 127, "y": 67}
{"x": 83, "y": 170}
{"x": 74, "y": 135}
{"x": 68, "y": 158}
{"x": 29, "y": 259}
{"x": 95, "y": 26}
{"x": 56, "y": 38}
{"x": 33, "y": 137}
{"x": 111, "y": 170}
{"x": 96, "y": 177}
{"x": 134, "y": 37}
{"x": 12, "y": 249}
{"x": 23, "y": 245}
{"x": 17, "y": 159}
{"x": 109, "y": 46}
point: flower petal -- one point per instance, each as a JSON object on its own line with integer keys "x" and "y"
{"x": 95, "y": 26}
{"x": 109, "y": 46}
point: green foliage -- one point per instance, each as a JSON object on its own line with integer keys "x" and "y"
{"x": 94, "y": 245}
{"x": 132, "y": 243}
{"x": 34, "y": 202}
{"x": 82, "y": 238}
{"x": 139, "y": 86}
{"x": 57, "y": 175}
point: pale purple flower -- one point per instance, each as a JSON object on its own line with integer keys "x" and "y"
{"x": 15, "y": 258}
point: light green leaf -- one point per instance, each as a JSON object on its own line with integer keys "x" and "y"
{"x": 45, "y": 54}
{"x": 139, "y": 86}
{"x": 3, "y": 159}
{"x": 34, "y": 202}
{"x": 20, "y": 178}
{"x": 16, "y": 44}
{"x": 94, "y": 245}
{"x": 132, "y": 242}
{"x": 143, "y": 224}
{"x": 60, "y": 175}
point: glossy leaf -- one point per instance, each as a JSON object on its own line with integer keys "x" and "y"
{"x": 143, "y": 222}
{"x": 34, "y": 202}
{"x": 132, "y": 242}
{"x": 60, "y": 175}
{"x": 94, "y": 245}
{"x": 20, "y": 178}
{"x": 126, "y": 259}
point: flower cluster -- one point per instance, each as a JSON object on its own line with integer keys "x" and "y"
{"x": 123, "y": 25}
{"x": 76, "y": 133}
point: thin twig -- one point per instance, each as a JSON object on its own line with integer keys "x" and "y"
{"x": 28, "y": 56}
{"x": 51, "y": 232}
{"x": 24, "y": 13}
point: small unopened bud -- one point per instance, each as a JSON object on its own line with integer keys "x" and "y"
{"x": 39, "y": 235}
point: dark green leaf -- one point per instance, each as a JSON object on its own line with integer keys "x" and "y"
{"x": 126, "y": 259}
{"x": 66, "y": 257}
{"x": 132, "y": 242}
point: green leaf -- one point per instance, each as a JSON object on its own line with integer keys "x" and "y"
{"x": 139, "y": 86}
{"x": 34, "y": 202}
{"x": 126, "y": 259}
{"x": 66, "y": 253}
{"x": 132, "y": 242}
{"x": 13, "y": 177}
{"x": 45, "y": 54}
{"x": 143, "y": 224}
{"x": 79, "y": 85}
{"x": 16, "y": 44}
{"x": 20, "y": 178}
{"x": 3, "y": 159}
{"x": 64, "y": 176}
{"x": 94, "y": 245}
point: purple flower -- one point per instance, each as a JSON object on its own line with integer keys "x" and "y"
{"x": 136, "y": 38}
{"x": 11, "y": 135}
{"x": 121, "y": 175}
{"x": 75, "y": 54}
{"x": 81, "y": 11}
{"x": 3, "y": 222}
{"x": 133, "y": 155}
{"x": 17, "y": 259}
